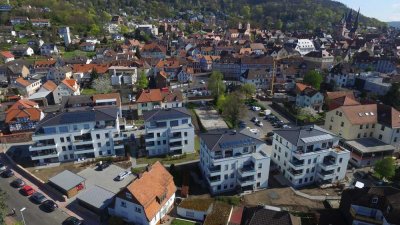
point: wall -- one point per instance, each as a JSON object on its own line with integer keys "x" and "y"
{"x": 187, "y": 213}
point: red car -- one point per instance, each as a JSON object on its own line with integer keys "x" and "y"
{"x": 27, "y": 190}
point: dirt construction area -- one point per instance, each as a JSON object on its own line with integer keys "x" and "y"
{"x": 283, "y": 197}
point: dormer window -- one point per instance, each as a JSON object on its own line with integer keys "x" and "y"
{"x": 128, "y": 195}
{"x": 374, "y": 200}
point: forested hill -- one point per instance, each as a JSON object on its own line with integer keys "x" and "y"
{"x": 85, "y": 15}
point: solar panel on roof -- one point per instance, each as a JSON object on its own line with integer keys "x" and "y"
{"x": 317, "y": 138}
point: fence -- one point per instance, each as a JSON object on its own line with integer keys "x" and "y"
{"x": 16, "y": 138}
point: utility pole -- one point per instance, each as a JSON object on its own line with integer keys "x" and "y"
{"x": 273, "y": 78}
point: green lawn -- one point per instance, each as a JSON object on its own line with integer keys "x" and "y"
{"x": 168, "y": 159}
{"x": 77, "y": 53}
{"x": 88, "y": 91}
{"x": 181, "y": 222}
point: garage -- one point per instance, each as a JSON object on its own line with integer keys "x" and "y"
{"x": 68, "y": 183}
{"x": 97, "y": 200}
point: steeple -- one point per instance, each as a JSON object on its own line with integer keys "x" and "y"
{"x": 355, "y": 25}
{"x": 349, "y": 19}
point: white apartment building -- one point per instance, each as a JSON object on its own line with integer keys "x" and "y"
{"x": 169, "y": 131}
{"x": 71, "y": 135}
{"x": 231, "y": 160}
{"x": 310, "y": 154}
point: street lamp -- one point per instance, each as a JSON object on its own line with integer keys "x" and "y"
{"x": 21, "y": 210}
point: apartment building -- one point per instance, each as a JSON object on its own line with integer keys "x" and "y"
{"x": 310, "y": 154}
{"x": 67, "y": 136}
{"x": 169, "y": 131}
{"x": 231, "y": 160}
{"x": 388, "y": 128}
{"x": 371, "y": 205}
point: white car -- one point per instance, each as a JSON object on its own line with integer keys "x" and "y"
{"x": 254, "y": 119}
{"x": 259, "y": 123}
{"x": 123, "y": 175}
{"x": 2, "y": 167}
{"x": 256, "y": 108}
{"x": 202, "y": 82}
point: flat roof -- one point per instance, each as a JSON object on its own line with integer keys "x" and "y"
{"x": 368, "y": 145}
{"x": 67, "y": 180}
{"x": 97, "y": 197}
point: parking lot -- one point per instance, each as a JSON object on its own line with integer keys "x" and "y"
{"x": 267, "y": 127}
{"x": 105, "y": 178}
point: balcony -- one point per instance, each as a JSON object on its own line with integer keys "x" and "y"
{"x": 118, "y": 137}
{"x": 246, "y": 181}
{"x": 175, "y": 136}
{"x": 118, "y": 146}
{"x": 214, "y": 170}
{"x": 294, "y": 163}
{"x": 295, "y": 173}
{"x": 42, "y": 145}
{"x": 247, "y": 170}
{"x": 301, "y": 153}
{"x": 214, "y": 179}
{"x": 326, "y": 175}
{"x": 52, "y": 153}
{"x": 149, "y": 136}
{"x": 364, "y": 218}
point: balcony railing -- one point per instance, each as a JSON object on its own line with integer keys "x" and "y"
{"x": 295, "y": 172}
{"x": 369, "y": 219}
{"x": 214, "y": 169}
{"x": 296, "y": 163}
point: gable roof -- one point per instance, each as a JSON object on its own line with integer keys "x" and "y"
{"x": 260, "y": 215}
{"x": 388, "y": 116}
{"x": 149, "y": 95}
{"x": 172, "y": 96}
{"x": 49, "y": 85}
{"x": 151, "y": 190}
{"x": 22, "y": 82}
{"x": 360, "y": 114}
{"x": 338, "y": 94}
{"x": 165, "y": 114}
{"x": 87, "y": 68}
{"x": 33, "y": 114}
{"x": 70, "y": 83}
{"x": 23, "y": 103}
{"x": 301, "y": 87}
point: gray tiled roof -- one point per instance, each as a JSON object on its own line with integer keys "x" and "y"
{"x": 97, "y": 197}
{"x": 66, "y": 180}
{"x": 165, "y": 114}
{"x": 100, "y": 114}
{"x": 258, "y": 215}
{"x": 219, "y": 140}
{"x": 296, "y": 135}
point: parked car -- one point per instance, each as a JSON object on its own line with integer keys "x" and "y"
{"x": 18, "y": 183}
{"x": 360, "y": 175}
{"x": 270, "y": 134}
{"x": 123, "y": 175}
{"x": 27, "y": 190}
{"x": 2, "y": 167}
{"x": 103, "y": 165}
{"x": 49, "y": 205}
{"x": 7, "y": 173}
{"x": 286, "y": 126}
{"x": 259, "y": 123}
{"x": 202, "y": 82}
{"x": 254, "y": 119}
{"x": 72, "y": 221}
{"x": 256, "y": 108}
{"x": 38, "y": 198}
{"x": 242, "y": 124}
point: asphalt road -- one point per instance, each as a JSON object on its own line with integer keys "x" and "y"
{"x": 33, "y": 214}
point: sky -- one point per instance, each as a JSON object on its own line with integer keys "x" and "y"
{"x": 384, "y": 10}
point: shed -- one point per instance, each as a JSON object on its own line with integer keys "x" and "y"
{"x": 96, "y": 199}
{"x": 68, "y": 183}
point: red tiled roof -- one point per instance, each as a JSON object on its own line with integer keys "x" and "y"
{"x": 70, "y": 83}
{"x": 361, "y": 114}
{"x": 43, "y": 63}
{"x": 33, "y": 114}
{"x": 300, "y": 87}
{"x": 88, "y": 68}
{"x": 49, "y": 85}
{"x": 150, "y": 95}
{"x": 7, "y": 54}
{"x": 22, "y": 82}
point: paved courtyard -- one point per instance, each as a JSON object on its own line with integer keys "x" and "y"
{"x": 105, "y": 178}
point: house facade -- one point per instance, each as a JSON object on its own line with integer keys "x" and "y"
{"x": 67, "y": 87}
{"x": 169, "y": 131}
{"x": 71, "y": 135}
{"x": 308, "y": 155}
{"x": 231, "y": 160}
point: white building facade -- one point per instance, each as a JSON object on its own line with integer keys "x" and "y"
{"x": 233, "y": 161}
{"x": 68, "y": 136}
{"x": 304, "y": 46}
{"x": 308, "y": 155}
{"x": 169, "y": 131}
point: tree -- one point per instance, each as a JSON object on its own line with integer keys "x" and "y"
{"x": 232, "y": 109}
{"x": 246, "y": 11}
{"x": 102, "y": 84}
{"x": 220, "y": 102}
{"x": 313, "y": 78}
{"x": 142, "y": 82}
{"x": 124, "y": 29}
{"x": 94, "y": 30}
{"x": 248, "y": 90}
{"x": 3, "y": 206}
{"x": 392, "y": 97}
{"x": 94, "y": 75}
{"x": 396, "y": 177}
{"x": 385, "y": 168}
{"x": 216, "y": 84}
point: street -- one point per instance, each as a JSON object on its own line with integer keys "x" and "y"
{"x": 33, "y": 214}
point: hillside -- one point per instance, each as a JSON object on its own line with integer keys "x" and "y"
{"x": 394, "y": 24}
{"x": 89, "y": 15}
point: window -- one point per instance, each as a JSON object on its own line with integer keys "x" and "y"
{"x": 97, "y": 136}
{"x": 340, "y": 114}
{"x": 69, "y": 147}
{"x": 232, "y": 175}
{"x": 365, "y": 134}
{"x": 107, "y": 143}
{"x": 174, "y": 123}
{"x": 75, "y": 127}
{"x": 370, "y": 134}
{"x": 315, "y": 160}
{"x": 300, "y": 181}
{"x": 62, "y": 139}
{"x": 185, "y": 134}
{"x": 233, "y": 166}
{"x": 165, "y": 142}
{"x": 361, "y": 126}
{"x": 313, "y": 169}
{"x": 305, "y": 180}
{"x": 64, "y": 148}
{"x": 358, "y": 135}
{"x": 158, "y": 134}
{"x": 309, "y": 161}
{"x": 330, "y": 127}
{"x": 86, "y": 126}
{"x": 338, "y": 169}
{"x": 383, "y": 128}
{"x": 158, "y": 142}
{"x": 259, "y": 175}
{"x": 123, "y": 204}
{"x": 337, "y": 112}
{"x": 395, "y": 139}
{"x": 380, "y": 137}
{"x": 342, "y": 124}
{"x": 259, "y": 165}
{"x": 374, "y": 200}
{"x": 323, "y": 145}
{"x": 307, "y": 170}
{"x": 107, "y": 135}
{"x": 226, "y": 167}
{"x": 367, "y": 126}
{"x": 63, "y": 129}
{"x": 286, "y": 154}
{"x": 340, "y": 160}
{"x": 185, "y": 121}
{"x": 332, "y": 119}
{"x": 99, "y": 145}
{"x": 65, "y": 157}
{"x": 373, "y": 125}
{"x": 226, "y": 177}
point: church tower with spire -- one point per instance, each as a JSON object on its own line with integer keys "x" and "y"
{"x": 348, "y": 25}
